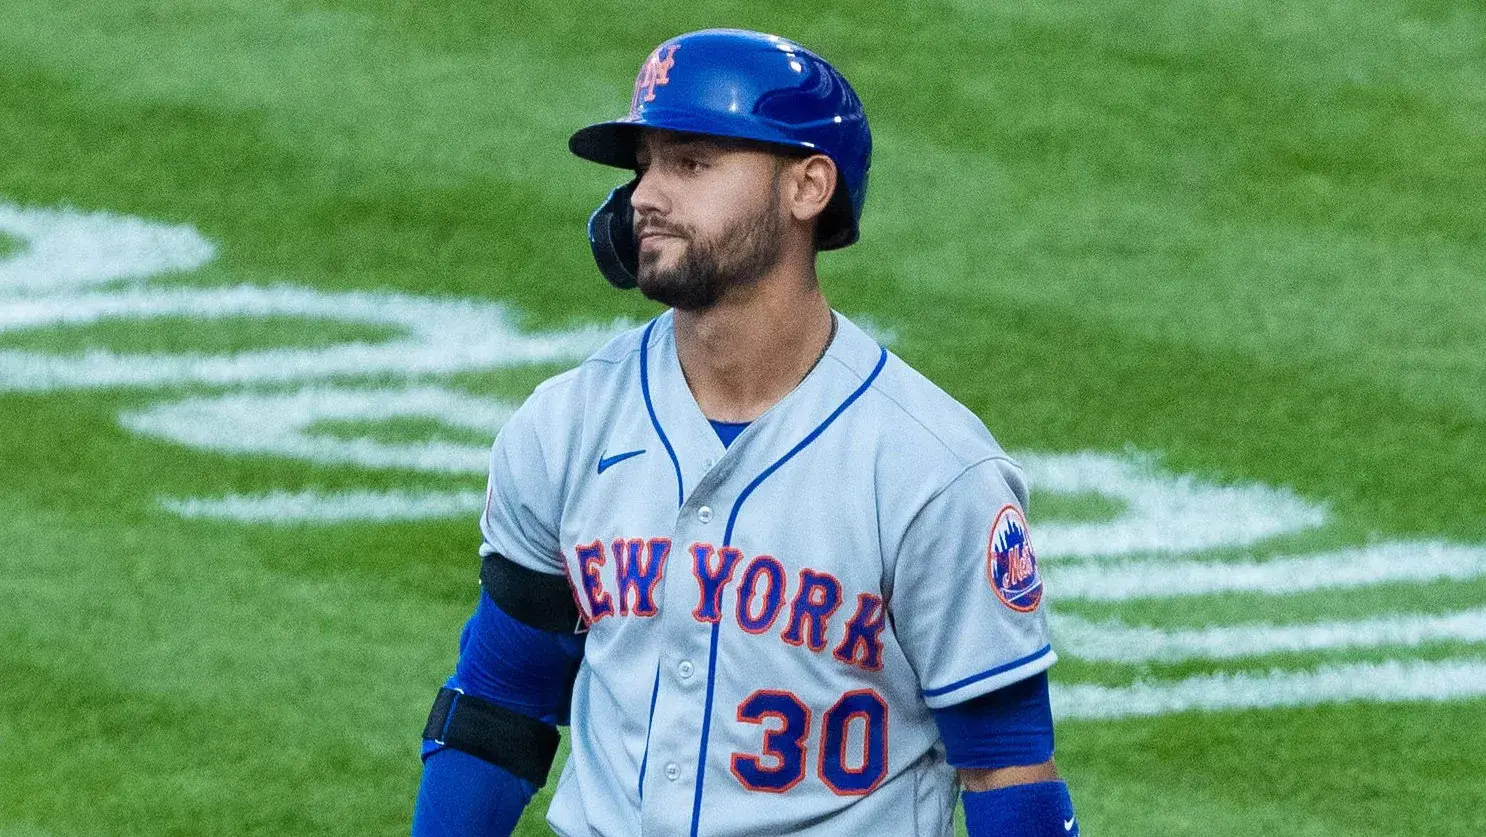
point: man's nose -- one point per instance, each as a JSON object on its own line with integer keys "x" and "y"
{"x": 648, "y": 197}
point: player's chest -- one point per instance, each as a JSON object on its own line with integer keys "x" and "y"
{"x": 767, "y": 535}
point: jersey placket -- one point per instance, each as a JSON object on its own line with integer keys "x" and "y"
{"x": 686, "y": 658}
{"x": 667, "y": 786}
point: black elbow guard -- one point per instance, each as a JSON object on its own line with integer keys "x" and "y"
{"x": 523, "y": 746}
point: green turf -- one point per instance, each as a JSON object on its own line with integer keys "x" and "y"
{"x": 1082, "y": 507}
{"x": 1241, "y": 238}
{"x": 393, "y": 431}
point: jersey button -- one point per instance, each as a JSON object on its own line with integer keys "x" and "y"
{"x": 673, "y": 772}
{"x": 685, "y": 669}
{"x": 704, "y": 514}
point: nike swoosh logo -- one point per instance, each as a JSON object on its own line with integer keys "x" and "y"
{"x": 606, "y": 462}
{"x": 1068, "y": 824}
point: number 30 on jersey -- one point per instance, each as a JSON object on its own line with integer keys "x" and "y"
{"x": 782, "y": 763}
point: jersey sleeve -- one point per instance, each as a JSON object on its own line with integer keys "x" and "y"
{"x": 967, "y": 599}
{"x": 523, "y": 498}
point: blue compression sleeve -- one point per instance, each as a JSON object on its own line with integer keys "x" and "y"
{"x": 1041, "y": 809}
{"x": 524, "y": 670}
{"x": 517, "y": 666}
{"x": 463, "y": 796}
{"x": 1010, "y": 727}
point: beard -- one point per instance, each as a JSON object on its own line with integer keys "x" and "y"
{"x": 708, "y": 268}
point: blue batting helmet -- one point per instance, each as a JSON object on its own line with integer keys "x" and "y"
{"x": 745, "y": 85}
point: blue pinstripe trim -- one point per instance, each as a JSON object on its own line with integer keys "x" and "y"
{"x": 650, "y": 408}
{"x": 976, "y": 678}
{"x": 645, "y": 759}
{"x": 696, "y": 807}
{"x": 680, "y": 501}
{"x": 727, "y": 540}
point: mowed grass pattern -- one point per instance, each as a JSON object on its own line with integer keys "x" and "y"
{"x": 1244, "y": 238}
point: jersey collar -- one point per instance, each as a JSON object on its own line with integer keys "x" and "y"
{"x": 703, "y": 461}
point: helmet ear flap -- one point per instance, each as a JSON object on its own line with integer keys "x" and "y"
{"x": 611, "y": 234}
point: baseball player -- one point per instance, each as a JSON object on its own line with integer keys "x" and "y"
{"x": 776, "y": 581}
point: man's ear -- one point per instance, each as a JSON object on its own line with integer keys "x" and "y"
{"x": 811, "y": 182}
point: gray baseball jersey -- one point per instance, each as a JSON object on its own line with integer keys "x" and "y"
{"x": 769, "y": 623}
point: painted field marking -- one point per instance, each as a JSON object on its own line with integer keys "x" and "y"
{"x": 1115, "y": 641}
{"x": 46, "y": 283}
{"x": 63, "y": 249}
{"x": 1392, "y": 562}
{"x": 440, "y": 336}
{"x": 1163, "y": 512}
{"x": 1393, "y": 681}
{"x": 284, "y": 507}
{"x": 281, "y": 424}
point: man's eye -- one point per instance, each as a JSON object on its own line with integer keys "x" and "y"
{"x": 693, "y": 165}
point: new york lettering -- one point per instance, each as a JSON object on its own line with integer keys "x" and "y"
{"x": 621, "y": 578}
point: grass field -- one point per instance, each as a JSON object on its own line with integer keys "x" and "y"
{"x": 1243, "y": 241}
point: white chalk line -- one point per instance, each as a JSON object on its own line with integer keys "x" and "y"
{"x": 65, "y": 248}
{"x": 1392, "y": 681}
{"x": 1384, "y": 563}
{"x": 281, "y": 424}
{"x": 440, "y": 336}
{"x": 285, "y": 507}
{"x": 1162, "y": 512}
{"x": 1115, "y": 641}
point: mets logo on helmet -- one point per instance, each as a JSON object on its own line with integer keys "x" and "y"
{"x": 655, "y": 73}
{"x": 1011, "y": 565}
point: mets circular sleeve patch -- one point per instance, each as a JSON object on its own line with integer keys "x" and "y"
{"x": 1011, "y": 565}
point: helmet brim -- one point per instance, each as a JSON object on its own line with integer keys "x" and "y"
{"x": 613, "y": 143}
{"x": 607, "y": 143}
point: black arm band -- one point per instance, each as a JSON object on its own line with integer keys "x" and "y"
{"x": 524, "y": 747}
{"x": 538, "y": 600}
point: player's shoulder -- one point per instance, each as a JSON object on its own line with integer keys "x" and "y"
{"x": 919, "y": 419}
{"x": 926, "y": 410}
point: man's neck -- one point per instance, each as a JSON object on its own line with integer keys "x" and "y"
{"x": 750, "y": 350}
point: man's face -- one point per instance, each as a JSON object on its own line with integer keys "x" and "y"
{"x": 707, "y": 217}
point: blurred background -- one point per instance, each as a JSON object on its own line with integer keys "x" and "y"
{"x": 272, "y": 274}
